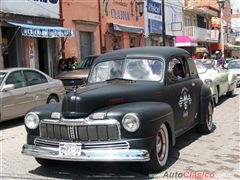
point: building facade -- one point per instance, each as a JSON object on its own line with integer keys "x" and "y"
{"x": 201, "y": 22}
{"x": 102, "y": 26}
{"x": 83, "y": 17}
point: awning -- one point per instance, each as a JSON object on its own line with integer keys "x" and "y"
{"x": 43, "y": 31}
{"x": 182, "y": 41}
{"x": 125, "y": 28}
{"x": 234, "y": 47}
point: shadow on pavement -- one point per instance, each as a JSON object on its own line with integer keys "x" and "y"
{"x": 11, "y": 123}
{"x": 86, "y": 170}
{"x": 223, "y": 98}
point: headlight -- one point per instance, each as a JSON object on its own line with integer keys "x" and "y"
{"x": 31, "y": 120}
{"x": 130, "y": 122}
{"x": 208, "y": 82}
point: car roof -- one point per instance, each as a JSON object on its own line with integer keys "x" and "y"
{"x": 164, "y": 52}
{"x": 17, "y": 69}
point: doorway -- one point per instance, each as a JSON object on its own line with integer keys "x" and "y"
{"x": 43, "y": 55}
{"x": 86, "y": 47}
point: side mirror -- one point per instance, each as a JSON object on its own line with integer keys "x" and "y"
{"x": 8, "y": 87}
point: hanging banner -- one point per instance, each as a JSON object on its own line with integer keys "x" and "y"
{"x": 31, "y": 53}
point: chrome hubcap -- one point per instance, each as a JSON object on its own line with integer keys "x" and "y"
{"x": 161, "y": 144}
{"x": 209, "y": 116}
{"x": 52, "y": 101}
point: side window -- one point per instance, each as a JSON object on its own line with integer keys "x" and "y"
{"x": 177, "y": 70}
{"x": 34, "y": 78}
{"x": 17, "y": 79}
{"x": 192, "y": 68}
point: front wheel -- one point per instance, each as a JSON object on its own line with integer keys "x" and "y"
{"x": 207, "y": 126}
{"x": 230, "y": 93}
{"x": 159, "y": 152}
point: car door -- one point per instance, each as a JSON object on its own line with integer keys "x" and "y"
{"x": 183, "y": 95}
{"x": 223, "y": 81}
{"x": 39, "y": 89}
{"x": 14, "y": 102}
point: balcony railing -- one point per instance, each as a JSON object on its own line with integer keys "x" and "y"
{"x": 200, "y": 33}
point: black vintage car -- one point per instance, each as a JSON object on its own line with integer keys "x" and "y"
{"x": 132, "y": 109}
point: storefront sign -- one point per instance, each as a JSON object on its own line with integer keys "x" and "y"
{"x": 237, "y": 36}
{"x": 213, "y": 35}
{"x": 40, "y": 8}
{"x": 120, "y": 14}
{"x": 154, "y": 7}
{"x": 154, "y": 10}
{"x": 43, "y": 31}
{"x": 48, "y": 1}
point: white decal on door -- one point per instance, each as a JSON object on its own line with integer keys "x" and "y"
{"x": 185, "y": 99}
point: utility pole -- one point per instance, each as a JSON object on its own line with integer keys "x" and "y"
{"x": 163, "y": 24}
{"x": 221, "y": 4}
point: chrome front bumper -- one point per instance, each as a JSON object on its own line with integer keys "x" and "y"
{"x": 116, "y": 155}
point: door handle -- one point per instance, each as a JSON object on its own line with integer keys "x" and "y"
{"x": 193, "y": 84}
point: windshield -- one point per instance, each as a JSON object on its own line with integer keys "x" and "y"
{"x": 234, "y": 65}
{"x": 2, "y": 75}
{"x": 132, "y": 69}
{"x": 200, "y": 67}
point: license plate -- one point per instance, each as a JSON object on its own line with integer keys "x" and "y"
{"x": 70, "y": 149}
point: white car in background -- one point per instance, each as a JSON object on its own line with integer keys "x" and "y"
{"x": 234, "y": 66}
{"x": 220, "y": 81}
{"x": 24, "y": 88}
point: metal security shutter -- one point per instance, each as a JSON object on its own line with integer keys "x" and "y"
{"x": 85, "y": 44}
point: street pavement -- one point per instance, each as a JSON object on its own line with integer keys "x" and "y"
{"x": 195, "y": 156}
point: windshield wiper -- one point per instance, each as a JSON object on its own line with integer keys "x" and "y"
{"x": 121, "y": 79}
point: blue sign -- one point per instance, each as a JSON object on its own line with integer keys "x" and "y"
{"x": 155, "y": 26}
{"x": 46, "y": 1}
{"x": 154, "y": 7}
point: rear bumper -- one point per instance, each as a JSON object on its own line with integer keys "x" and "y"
{"x": 116, "y": 155}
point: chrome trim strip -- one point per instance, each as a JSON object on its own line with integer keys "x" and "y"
{"x": 79, "y": 122}
{"x": 104, "y": 144}
{"x": 116, "y": 155}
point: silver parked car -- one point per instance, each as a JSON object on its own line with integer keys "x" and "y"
{"x": 23, "y": 88}
{"x": 78, "y": 76}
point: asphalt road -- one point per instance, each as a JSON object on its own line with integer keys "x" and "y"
{"x": 213, "y": 156}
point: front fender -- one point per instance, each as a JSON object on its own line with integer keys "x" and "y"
{"x": 151, "y": 115}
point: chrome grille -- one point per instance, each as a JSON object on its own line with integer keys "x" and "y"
{"x": 85, "y": 145}
{"x": 78, "y": 132}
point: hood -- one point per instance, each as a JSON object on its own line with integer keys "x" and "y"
{"x": 90, "y": 98}
{"x": 236, "y": 71}
{"x": 208, "y": 74}
{"x": 79, "y": 73}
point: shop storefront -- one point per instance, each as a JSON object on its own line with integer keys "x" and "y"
{"x": 31, "y": 41}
